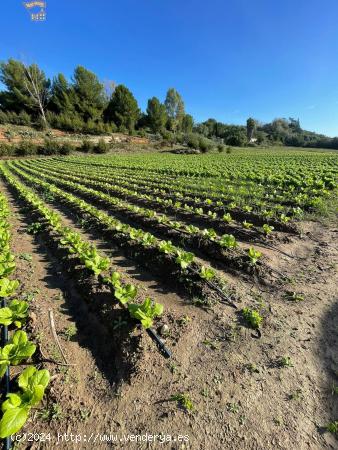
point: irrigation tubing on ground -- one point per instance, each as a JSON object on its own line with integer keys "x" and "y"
{"x": 217, "y": 289}
{"x": 5, "y": 379}
{"x": 160, "y": 344}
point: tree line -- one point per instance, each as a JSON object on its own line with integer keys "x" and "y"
{"x": 280, "y": 131}
{"x": 86, "y": 105}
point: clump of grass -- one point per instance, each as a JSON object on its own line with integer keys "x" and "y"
{"x": 332, "y": 427}
{"x": 233, "y": 408}
{"x": 70, "y": 332}
{"x": 298, "y": 395}
{"x": 292, "y": 296}
{"x": 285, "y": 361}
{"x": 252, "y": 368}
{"x": 52, "y": 413}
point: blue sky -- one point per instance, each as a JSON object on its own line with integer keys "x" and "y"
{"x": 230, "y": 59}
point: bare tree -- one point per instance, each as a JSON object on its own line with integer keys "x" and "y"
{"x": 109, "y": 88}
{"x": 38, "y": 88}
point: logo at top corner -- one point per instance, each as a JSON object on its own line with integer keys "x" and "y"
{"x": 37, "y": 10}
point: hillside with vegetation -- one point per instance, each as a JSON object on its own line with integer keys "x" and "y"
{"x": 86, "y": 106}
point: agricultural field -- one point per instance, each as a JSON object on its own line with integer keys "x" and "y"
{"x": 190, "y": 297}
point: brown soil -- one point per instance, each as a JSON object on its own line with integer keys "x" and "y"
{"x": 243, "y": 398}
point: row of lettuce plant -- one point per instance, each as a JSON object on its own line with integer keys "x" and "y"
{"x": 16, "y": 349}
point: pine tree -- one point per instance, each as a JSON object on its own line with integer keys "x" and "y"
{"x": 87, "y": 94}
{"x": 122, "y": 109}
{"x": 156, "y": 115}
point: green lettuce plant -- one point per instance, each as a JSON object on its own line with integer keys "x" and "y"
{"x": 15, "y": 313}
{"x": 145, "y": 312}
{"x": 8, "y": 287}
{"x": 16, "y": 408}
{"x": 17, "y": 350}
{"x": 206, "y": 273}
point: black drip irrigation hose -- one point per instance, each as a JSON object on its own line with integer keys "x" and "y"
{"x": 160, "y": 344}
{"x": 271, "y": 269}
{"x": 5, "y": 379}
{"x": 217, "y": 289}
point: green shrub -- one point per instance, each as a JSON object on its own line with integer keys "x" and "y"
{"x": 48, "y": 148}
{"x": 204, "y": 145}
{"x": 26, "y": 148}
{"x": 168, "y": 137}
{"x": 3, "y": 118}
{"x": 101, "y": 147}
{"x": 6, "y": 149}
{"x": 24, "y": 119}
{"x": 65, "y": 148}
{"x": 10, "y": 117}
{"x": 193, "y": 141}
{"x": 142, "y": 133}
{"x": 123, "y": 129}
{"x": 87, "y": 146}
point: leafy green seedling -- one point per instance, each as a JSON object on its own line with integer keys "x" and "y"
{"x": 284, "y": 219}
{"x": 16, "y": 312}
{"x": 233, "y": 408}
{"x": 52, "y": 413}
{"x": 183, "y": 400}
{"x": 228, "y": 241}
{"x": 184, "y": 259}
{"x": 95, "y": 262}
{"x": 293, "y": 296}
{"x": 247, "y": 225}
{"x": 16, "y": 408}
{"x": 145, "y": 312}
{"x": 34, "y": 228}
{"x": 332, "y": 427}
{"x": 254, "y": 256}
{"x": 252, "y": 318}
{"x": 125, "y": 293}
{"x": 184, "y": 320}
{"x": 17, "y": 350}
{"x": 285, "y": 361}
{"x": 166, "y": 247}
{"x": 8, "y": 287}
{"x": 207, "y": 273}
{"x": 268, "y": 229}
{"x": 7, "y": 264}
{"x": 70, "y": 332}
{"x": 227, "y": 218}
